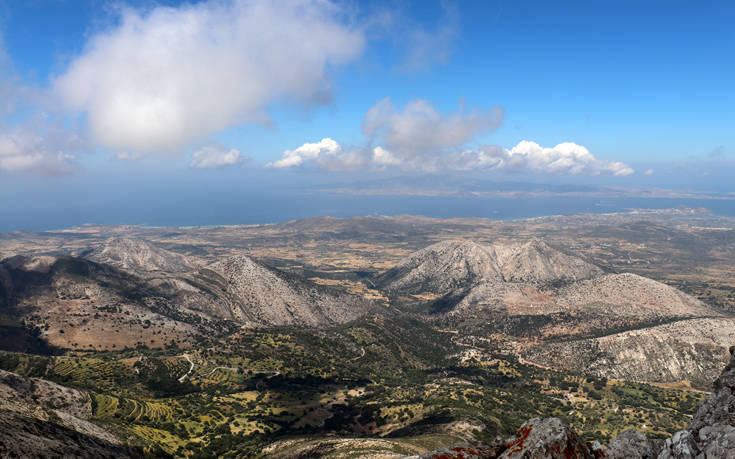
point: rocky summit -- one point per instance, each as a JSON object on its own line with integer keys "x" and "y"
{"x": 462, "y": 264}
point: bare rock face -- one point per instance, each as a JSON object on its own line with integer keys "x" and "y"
{"x": 546, "y": 438}
{"x": 18, "y": 393}
{"x": 711, "y": 432}
{"x": 139, "y": 256}
{"x": 538, "y": 438}
{"x": 462, "y": 451}
{"x": 631, "y": 444}
{"x": 681, "y": 446}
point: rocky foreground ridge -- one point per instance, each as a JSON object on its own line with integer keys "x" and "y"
{"x": 39, "y": 418}
{"x": 710, "y": 435}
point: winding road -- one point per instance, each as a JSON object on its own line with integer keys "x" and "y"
{"x": 186, "y": 356}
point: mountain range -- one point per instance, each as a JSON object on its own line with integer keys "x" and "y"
{"x": 519, "y": 313}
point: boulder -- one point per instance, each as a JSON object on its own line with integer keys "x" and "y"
{"x": 631, "y": 444}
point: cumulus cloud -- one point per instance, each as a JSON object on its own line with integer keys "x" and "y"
{"x": 166, "y": 77}
{"x": 327, "y": 154}
{"x": 421, "y": 135}
{"x": 211, "y": 157}
{"x": 307, "y": 151}
{"x": 567, "y": 158}
{"x": 383, "y": 157}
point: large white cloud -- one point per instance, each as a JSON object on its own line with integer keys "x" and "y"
{"x": 420, "y": 132}
{"x": 416, "y": 137}
{"x": 169, "y": 76}
{"x": 327, "y": 154}
{"x": 566, "y": 158}
{"x": 421, "y": 138}
{"x": 211, "y": 157}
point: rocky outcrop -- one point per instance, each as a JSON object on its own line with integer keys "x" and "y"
{"x": 711, "y": 433}
{"x": 29, "y": 437}
{"x": 546, "y": 438}
{"x": 537, "y": 438}
{"x": 631, "y": 444}
{"x": 39, "y": 418}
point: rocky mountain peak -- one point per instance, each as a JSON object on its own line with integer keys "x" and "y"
{"x": 139, "y": 255}
{"x": 536, "y": 262}
{"x": 444, "y": 266}
{"x": 262, "y": 295}
{"x": 461, "y": 264}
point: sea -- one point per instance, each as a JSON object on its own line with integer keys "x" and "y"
{"x": 262, "y": 208}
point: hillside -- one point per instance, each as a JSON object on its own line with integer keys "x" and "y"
{"x": 444, "y": 267}
{"x": 41, "y": 418}
{"x": 263, "y": 296}
{"x": 77, "y": 303}
{"x": 547, "y": 301}
{"x": 698, "y": 346}
{"x": 369, "y": 336}
{"x": 138, "y": 256}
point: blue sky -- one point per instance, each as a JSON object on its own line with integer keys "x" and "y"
{"x": 615, "y": 93}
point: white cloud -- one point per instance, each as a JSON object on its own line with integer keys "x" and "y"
{"x": 307, "y": 151}
{"x": 26, "y": 151}
{"x": 327, "y": 154}
{"x": 649, "y": 172}
{"x": 417, "y": 137}
{"x": 567, "y": 158}
{"x": 213, "y": 157}
{"x": 383, "y": 157}
{"x": 421, "y": 138}
{"x": 420, "y": 134}
{"x": 167, "y": 77}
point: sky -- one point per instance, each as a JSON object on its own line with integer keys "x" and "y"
{"x": 100, "y": 100}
